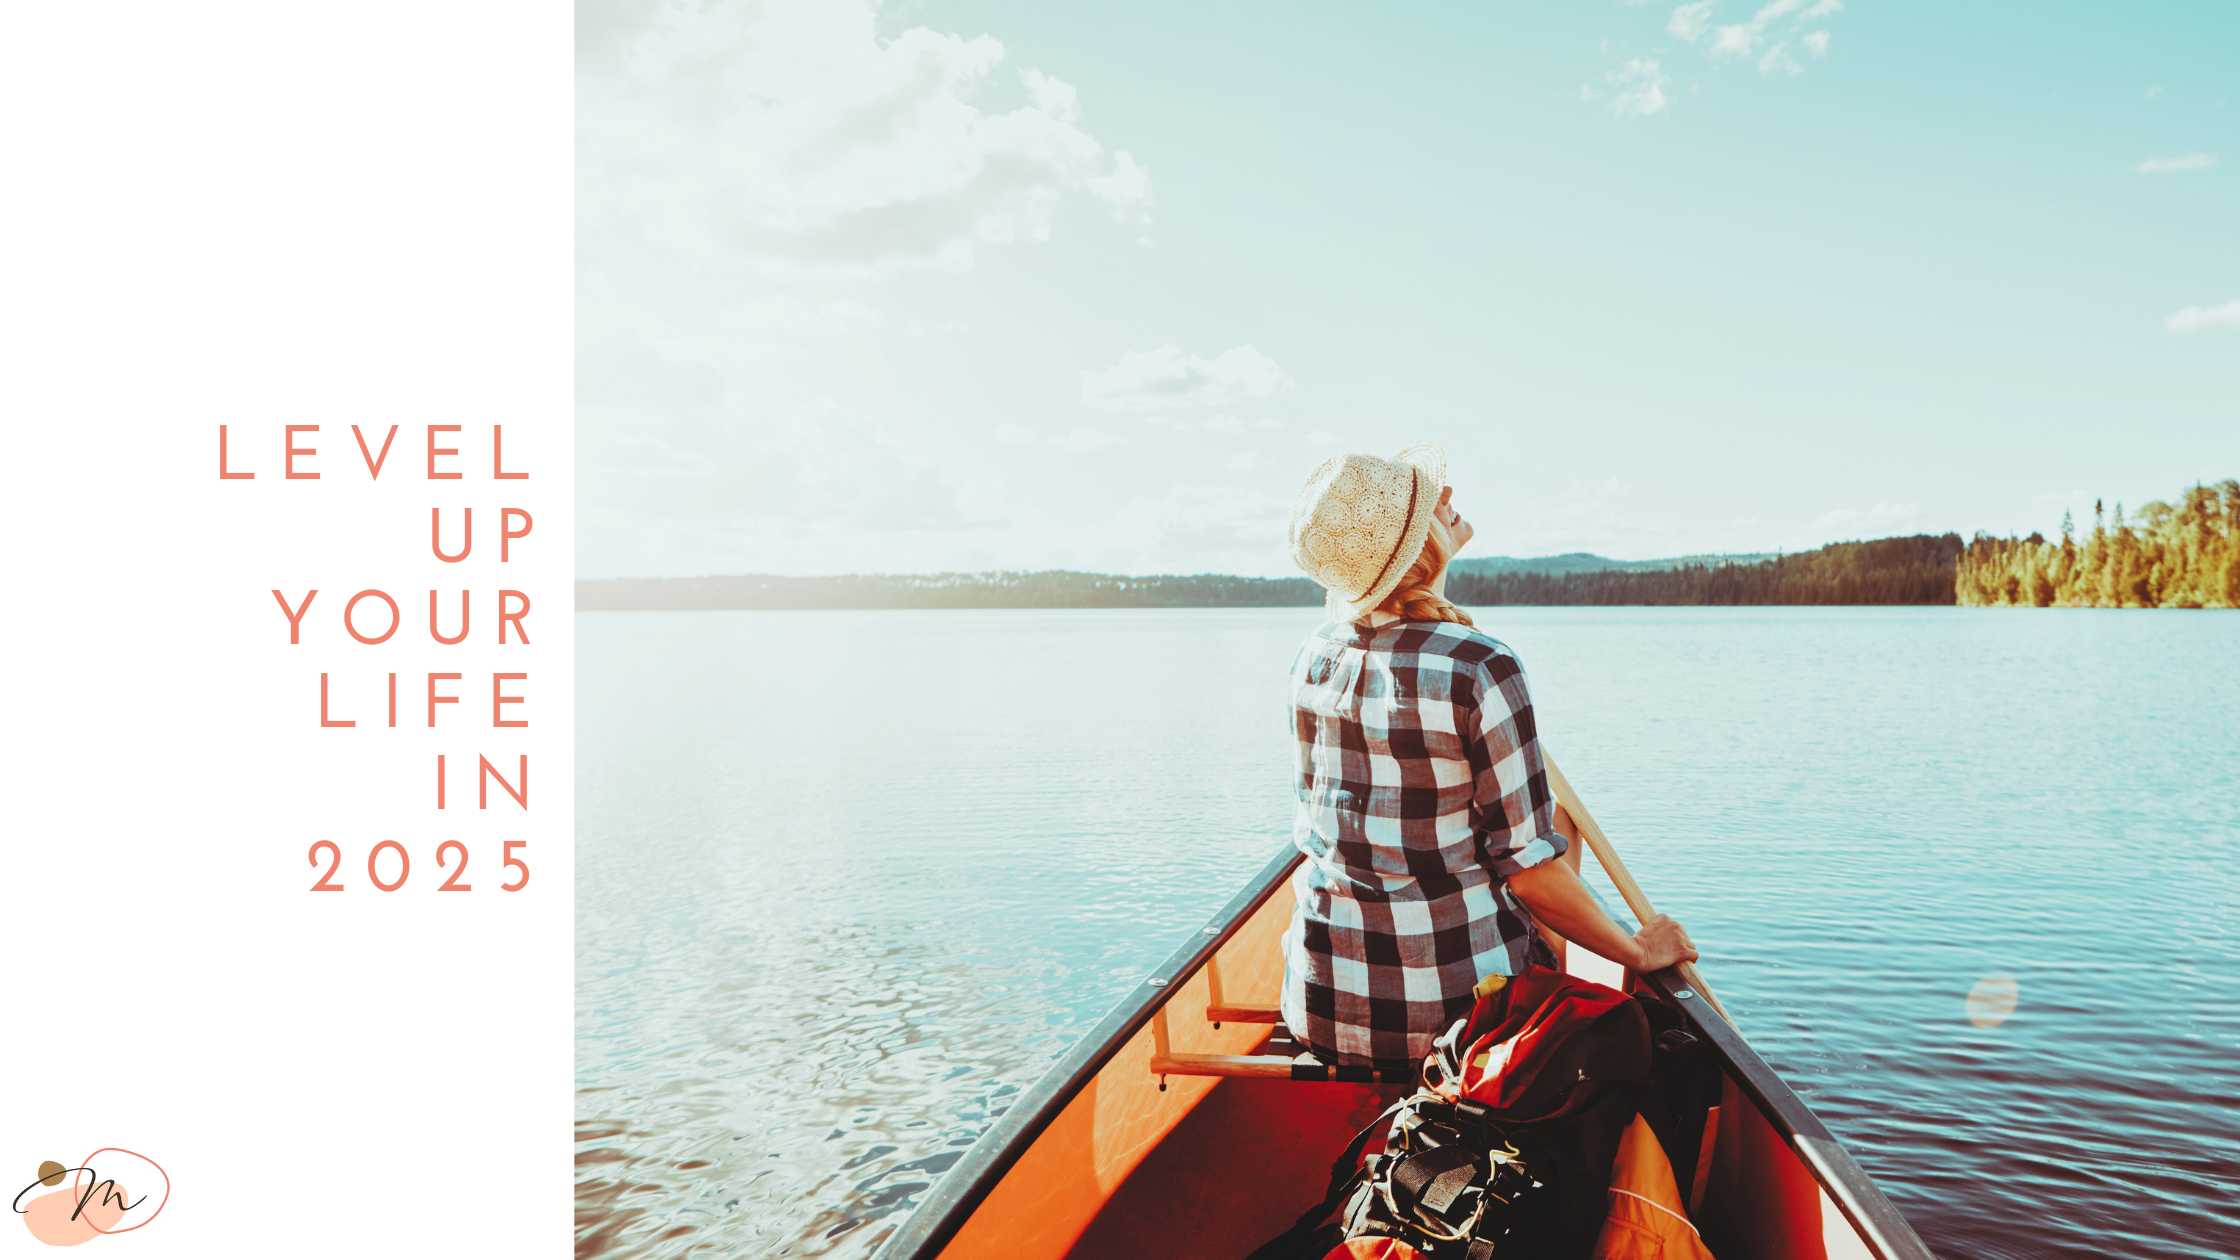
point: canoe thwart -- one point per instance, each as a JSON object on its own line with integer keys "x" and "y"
{"x": 1282, "y": 1058}
{"x": 1243, "y": 1015}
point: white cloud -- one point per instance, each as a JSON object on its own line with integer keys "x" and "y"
{"x": 1770, "y": 36}
{"x": 1127, "y": 184}
{"x": 1639, "y": 88}
{"x": 1778, "y": 61}
{"x": 1689, "y": 21}
{"x": 2193, "y": 319}
{"x": 1167, "y": 377}
{"x": 2179, "y": 165}
{"x": 792, "y": 132}
{"x": 759, "y": 184}
{"x": 1733, "y": 41}
{"x": 1743, "y": 38}
{"x": 1054, "y": 97}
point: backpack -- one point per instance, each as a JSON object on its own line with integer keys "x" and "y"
{"x": 1505, "y": 1146}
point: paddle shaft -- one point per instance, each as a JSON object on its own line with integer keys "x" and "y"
{"x": 1621, "y": 878}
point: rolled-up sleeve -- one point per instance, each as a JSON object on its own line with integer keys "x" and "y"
{"x": 1512, "y": 807}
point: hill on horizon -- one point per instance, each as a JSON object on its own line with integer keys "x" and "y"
{"x": 1589, "y": 562}
{"x": 1915, "y": 570}
{"x": 1566, "y": 562}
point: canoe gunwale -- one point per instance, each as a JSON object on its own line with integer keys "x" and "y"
{"x": 953, "y": 1199}
{"x": 1854, "y": 1193}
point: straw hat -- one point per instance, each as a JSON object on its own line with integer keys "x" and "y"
{"x": 1361, "y": 520}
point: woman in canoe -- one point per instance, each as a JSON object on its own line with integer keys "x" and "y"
{"x": 1423, "y": 806}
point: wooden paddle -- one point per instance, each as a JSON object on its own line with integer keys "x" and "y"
{"x": 1615, "y": 867}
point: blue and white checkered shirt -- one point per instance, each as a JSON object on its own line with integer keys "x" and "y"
{"x": 1420, "y": 789}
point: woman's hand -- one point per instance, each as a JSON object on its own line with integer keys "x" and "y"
{"x": 1662, "y": 943}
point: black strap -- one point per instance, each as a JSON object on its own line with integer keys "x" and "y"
{"x": 1435, "y": 1178}
{"x": 1492, "y": 1227}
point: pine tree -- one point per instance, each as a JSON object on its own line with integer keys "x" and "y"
{"x": 2100, "y": 591}
{"x": 2065, "y": 571}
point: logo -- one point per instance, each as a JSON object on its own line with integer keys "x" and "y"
{"x": 112, "y": 1191}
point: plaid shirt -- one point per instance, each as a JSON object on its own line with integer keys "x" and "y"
{"x": 1420, "y": 790}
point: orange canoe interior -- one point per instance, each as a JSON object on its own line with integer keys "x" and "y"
{"x": 1139, "y": 1165}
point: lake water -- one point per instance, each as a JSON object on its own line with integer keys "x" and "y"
{"x": 849, "y": 881}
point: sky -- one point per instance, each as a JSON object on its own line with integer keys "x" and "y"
{"x": 953, "y": 285}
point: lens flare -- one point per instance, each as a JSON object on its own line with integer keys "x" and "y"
{"x": 1992, "y": 1000}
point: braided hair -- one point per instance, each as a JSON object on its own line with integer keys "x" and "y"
{"x": 1414, "y": 598}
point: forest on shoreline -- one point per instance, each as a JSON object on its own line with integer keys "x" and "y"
{"x": 2164, "y": 556}
{"x": 1911, "y": 570}
{"x": 2181, "y": 556}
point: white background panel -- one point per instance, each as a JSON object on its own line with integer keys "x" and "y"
{"x": 259, "y": 215}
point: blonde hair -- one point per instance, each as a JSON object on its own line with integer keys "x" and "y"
{"x": 1414, "y": 597}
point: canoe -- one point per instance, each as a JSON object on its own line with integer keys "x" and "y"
{"x": 1188, "y": 1124}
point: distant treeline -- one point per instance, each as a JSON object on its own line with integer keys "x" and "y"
{"x": 1915, "y": 570}
{"x": 1889, "y": 571}
{"x": 2186, "y": 556}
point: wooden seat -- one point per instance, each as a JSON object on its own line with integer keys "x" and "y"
{"x": 1281, "y": 1057}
